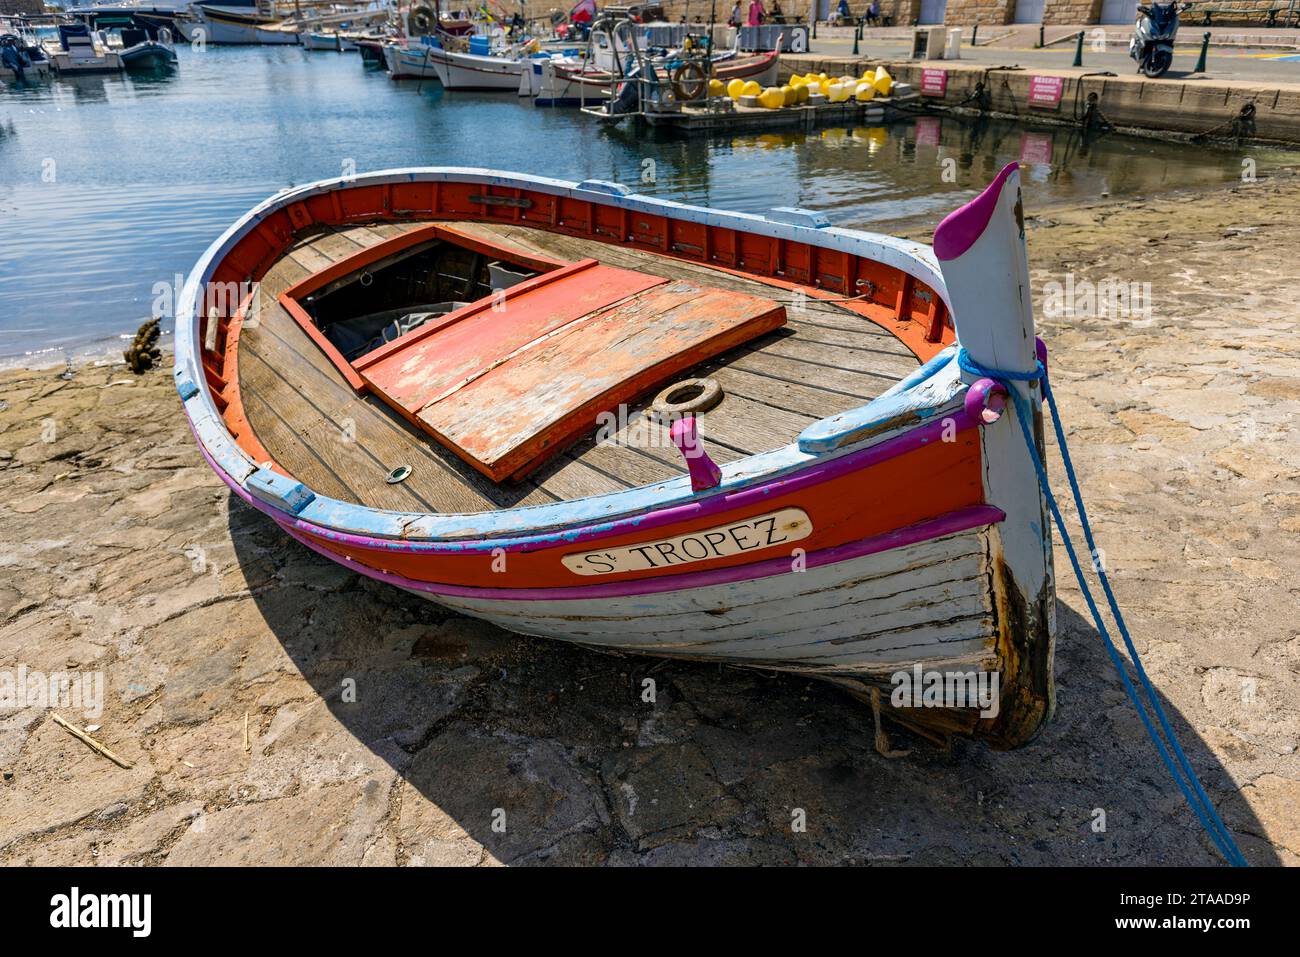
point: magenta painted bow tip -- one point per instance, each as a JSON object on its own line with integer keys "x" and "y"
{"x": 960, "y": 228}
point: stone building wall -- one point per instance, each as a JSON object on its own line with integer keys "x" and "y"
{"x": 29, "y": 7}
{"x": 963, "y": 12}
{"x": 1070, "y": 12}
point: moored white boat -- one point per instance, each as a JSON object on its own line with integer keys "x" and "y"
{"x": 471, "y": 71}
{"x": 843, "y": 532}
{"x": 318, "y": 40}
{"x": 78, "y": 50}
{"x": 21, "y": 55}
{"x": 409, "y": 60}
{"x": 237, "y": 24}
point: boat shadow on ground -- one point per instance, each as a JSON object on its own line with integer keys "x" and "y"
{"x": 542, "y": 752}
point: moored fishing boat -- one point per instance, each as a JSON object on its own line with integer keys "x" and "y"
{"x": 238, "y": 23}
{"x": 654, "y": 428}
{"x": 556, "y": 81}
{"x": 476, "y": 71}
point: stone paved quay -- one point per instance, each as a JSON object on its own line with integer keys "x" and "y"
{"x": 123, "y": 554}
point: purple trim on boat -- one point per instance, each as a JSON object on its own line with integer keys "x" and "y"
{"x": 985, "y": 400}
{"x": 704, "y": 472}
{"x": 961, "y": 520}
{"x": 817, "y": 473}
{"x": 949, "y": 524}
{"x": 960, "y": 228}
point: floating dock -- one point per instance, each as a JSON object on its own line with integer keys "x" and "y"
{"x": 732, "y": 117}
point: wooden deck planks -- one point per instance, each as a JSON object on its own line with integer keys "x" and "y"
{"x": 826, "y": 360}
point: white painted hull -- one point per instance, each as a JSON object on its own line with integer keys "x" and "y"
{"x": 40, "y": 68}
{"x": 551, "y": 87}
{"x": 465, "y": 71}
{"x": 234, "y": 28}
{"x": 326, "y": 41}
{"x": 409, "y": 62}
{"x": 933, "y": 602}
{"x": 102, "y": 62}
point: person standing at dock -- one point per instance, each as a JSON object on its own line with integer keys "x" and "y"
{"x": 756, "y": 13}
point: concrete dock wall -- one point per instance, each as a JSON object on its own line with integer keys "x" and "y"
{"x": 1171, "y": 106}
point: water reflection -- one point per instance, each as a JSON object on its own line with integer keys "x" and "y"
{"x": 111, "y": 184}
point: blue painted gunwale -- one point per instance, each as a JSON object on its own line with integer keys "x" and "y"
{"x": 933, "y": 389}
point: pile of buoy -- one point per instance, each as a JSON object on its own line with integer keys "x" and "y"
{"x": 802, "y": 88}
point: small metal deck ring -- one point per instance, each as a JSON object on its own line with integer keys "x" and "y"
{"x": 688, "y": 397}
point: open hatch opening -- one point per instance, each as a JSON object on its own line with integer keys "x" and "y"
{"x": 383, "y": 301}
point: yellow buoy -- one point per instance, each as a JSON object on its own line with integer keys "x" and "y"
{"x": 791, "y": 95}
{"x": 717, "y": 88}
{"x": 751, "y": 89}
{"x": 771, "y": 98}
{"x": 797, "y": 80}
{"x": 803, "y": 93}
{"x": 735, "y": 88}
{"x": 864, "y": 91}
{"x": 883, "y": 82}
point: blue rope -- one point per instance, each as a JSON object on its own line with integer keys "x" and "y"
{"x": 1200, "y": 803}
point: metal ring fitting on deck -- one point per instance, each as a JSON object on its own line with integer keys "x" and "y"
{"x": 688, "y": 397}
{"x": 398, "y": 474}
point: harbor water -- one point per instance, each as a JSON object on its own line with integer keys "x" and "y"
{"x": 111, "y": 186}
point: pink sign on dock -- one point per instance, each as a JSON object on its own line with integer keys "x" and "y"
{"x": 934, "y": 82}
{"x": 1045, "y": 91}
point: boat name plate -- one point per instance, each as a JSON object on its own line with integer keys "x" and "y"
{"x": 736, "y": 538}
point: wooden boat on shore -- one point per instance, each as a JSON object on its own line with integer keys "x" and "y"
{"x": 654, "y": 428}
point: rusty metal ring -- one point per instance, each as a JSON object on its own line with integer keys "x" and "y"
{"x": 688, "y": 397}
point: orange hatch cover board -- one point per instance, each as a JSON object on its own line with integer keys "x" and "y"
{"x": 508, "y": 381}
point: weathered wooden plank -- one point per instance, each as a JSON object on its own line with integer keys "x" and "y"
{"x": 320, "y": 446}
{"x": 802, "y": 398}
{"x": 554, "y": 244}
{"x": 517, "y": 410}
{"x": 859, "y": 385}
{"x": 436, "y": 476}
{"x": 713, "y": 609}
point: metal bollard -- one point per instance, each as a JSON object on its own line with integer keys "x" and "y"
{"x": 1078, "y": 51}
{"x": 974, "y": 31}
{"x": 1205, "y": 49}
